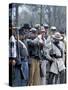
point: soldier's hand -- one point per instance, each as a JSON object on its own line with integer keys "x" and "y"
{"x": 13, "y": 62}
{"x": 40, "y": 61}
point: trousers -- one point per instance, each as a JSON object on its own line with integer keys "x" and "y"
{"x": 34, "y": 72}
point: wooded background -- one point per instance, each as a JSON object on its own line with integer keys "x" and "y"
{"x": 39, "y": 14}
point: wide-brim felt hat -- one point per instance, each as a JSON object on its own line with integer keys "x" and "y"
{"x": 57, "y": 35}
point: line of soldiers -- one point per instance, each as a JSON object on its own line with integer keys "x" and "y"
{"x": 37, "y": 56}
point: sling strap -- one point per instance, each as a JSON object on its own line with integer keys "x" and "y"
{"x": 57, "y": 56}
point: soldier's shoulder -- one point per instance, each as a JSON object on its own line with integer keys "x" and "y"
{"x": 22, "y": 44}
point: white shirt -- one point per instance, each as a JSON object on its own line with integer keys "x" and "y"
{"x": 12, "y": 49}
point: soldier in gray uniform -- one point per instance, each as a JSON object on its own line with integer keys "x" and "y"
{"x": 58, "y": 66}
{"x": 48, "y": 40}
{"x": 44, "y": 61}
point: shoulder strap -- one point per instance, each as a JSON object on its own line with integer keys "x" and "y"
{"x": 59, "y": 49}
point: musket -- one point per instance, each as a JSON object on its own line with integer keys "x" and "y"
{"x": 18, "y": 56}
